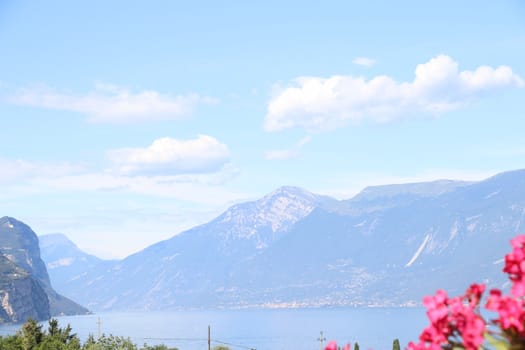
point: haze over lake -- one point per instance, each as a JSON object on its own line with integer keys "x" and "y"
{"x": 372, "y": 328}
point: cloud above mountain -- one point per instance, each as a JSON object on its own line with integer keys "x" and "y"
{"x": 169, "y": 156}
{"x": 112, "y": 104}
{"x": 290, "y": 153}
{"x": 364, "y": 61}
{"x": 317, "y": 103}
{"x": 14, "y": 170}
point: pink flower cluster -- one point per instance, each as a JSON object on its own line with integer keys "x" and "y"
{"x": 457, "y": 323}
{"x": 451, "y": 319}
{"x": 515, "y": 265}
{"x": 332, "y": 345}
{"x": 510, "y": 310}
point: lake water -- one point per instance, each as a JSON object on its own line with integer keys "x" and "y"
{"x": 372, "y": 328}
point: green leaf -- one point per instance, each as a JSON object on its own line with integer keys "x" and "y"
{"x": 498, "y": 344}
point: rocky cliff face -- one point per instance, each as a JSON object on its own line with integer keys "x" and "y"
{"x": 21, "y": 295}
{"x": 25, "y": 289}
{"x": 22, "y": 299}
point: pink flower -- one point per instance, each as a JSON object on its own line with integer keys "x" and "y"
{"x": 347, "y": 346}
{"x": 331, "y": 345}
{"x": 456, "y": 323}
{"x": 433, "y": 335}
{"x": 518, "y": 242}
{"x": 511, "y": 314}
{"x": 511, "y": 311}
{"x": 437, "y": 309}
{"x": 515, "y": 265}
{"x": 423, "y": 346}
{"x": 474, "y": 293}
{"x": 466, "y": 321}
{"x": 494, "y": 300}
{"x": 473, "y": 332}
{"x": 518, "y": 287}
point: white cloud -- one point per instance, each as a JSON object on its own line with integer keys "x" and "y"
{"x": 17, "y": 169}
{"x": 168, "y": 156}
{"x": 113, "y": 104}
{"x": 364, "y": 61}
{"x": 315, "y": 103}
{"x": 283, "y": 154}
{"x": 189, "y": 170}
{"x": 22, "y": 178}
{"x": 202, "y": 188}
{"x": 287, "y": 154}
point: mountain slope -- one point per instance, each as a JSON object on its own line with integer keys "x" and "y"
{"x": 185, "y": 269}
{"x": 19, "y": 245}
{"x": 396, "y": 255}
{"x": 387, "y": 246}
{"x": 66, "y": 263}
{"x": 21, "y": 294}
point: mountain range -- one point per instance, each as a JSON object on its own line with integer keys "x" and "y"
{"x": 387, "y": 246}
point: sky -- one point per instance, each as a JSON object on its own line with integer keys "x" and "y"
{"x": 124, "y": 123}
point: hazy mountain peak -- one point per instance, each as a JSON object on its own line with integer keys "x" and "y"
{"x": 20, "y": 244}
{"x": 278, "y": 211}
{"x": 9, "y": 222}
{"x": 58, "y": 250}
{"x": 506, "y": 176}
{"x": 291, "y": 192}
{"x": 423, "y": 189}
{"x": 55, "y": 239}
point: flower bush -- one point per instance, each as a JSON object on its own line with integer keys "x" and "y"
{"x": 332, "y": 345}
{"x": 456, "y": 323}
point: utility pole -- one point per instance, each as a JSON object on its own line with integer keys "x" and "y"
{"x": 98, "y": 324}
{"x": 209, "y": 338}
{"x": 321, "y": 340}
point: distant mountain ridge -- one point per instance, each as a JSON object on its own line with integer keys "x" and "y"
{"x": 423, "y": 189}
{"x": 66, "y": 263}
{"x": 387, "y": 246}
{"x": 25, "y": 287}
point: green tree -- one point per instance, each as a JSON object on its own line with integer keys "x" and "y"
{"x": 12, "y": 342}
{"x": 90, "y": 343}
{"x": 110, "y": 342}
{"x": 50, "y": 343}
{"x": 31, "y": 337}
{"x": 157, "y": 347}
{"x": 53, "y": 330}
{"x": 74, "y": 344}
{"x": 62, "y": 335}
{"x": 395, "y": 345}
{"x": 356, "y": 346}
{"x": 31, "y": 334}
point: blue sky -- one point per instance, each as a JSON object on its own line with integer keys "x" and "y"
{"x": 124, "y": 123}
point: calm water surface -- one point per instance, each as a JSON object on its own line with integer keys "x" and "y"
{"x": 372, "y": 328}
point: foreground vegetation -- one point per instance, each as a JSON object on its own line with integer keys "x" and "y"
{"x": 32, "y": 336}
{"x": 457, "y": 323}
